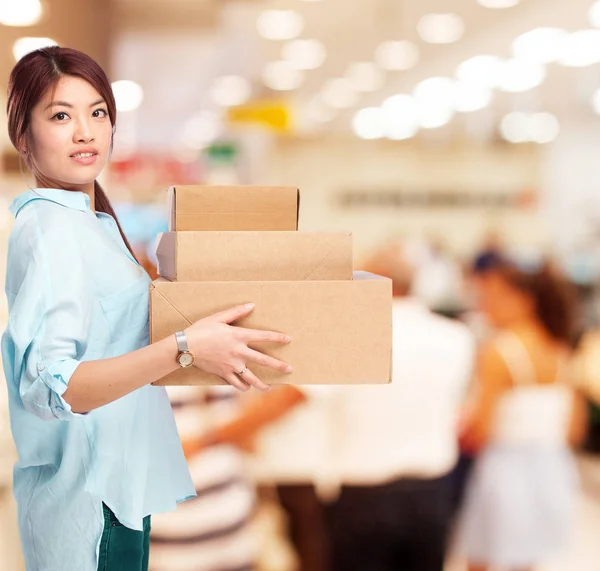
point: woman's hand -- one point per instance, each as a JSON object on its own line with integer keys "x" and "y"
{"x": 222, "y": 349}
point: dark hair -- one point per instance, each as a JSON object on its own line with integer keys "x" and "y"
{"x": 30, "y": 80}
{"x": 551, "y": 292}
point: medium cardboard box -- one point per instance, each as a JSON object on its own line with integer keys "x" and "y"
{"x": 254, "y": 256}
{"x": 233, "y": 208}
{"x": 341, "y": 330}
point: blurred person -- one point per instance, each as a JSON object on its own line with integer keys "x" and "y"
{"x": 519, "y": 502}
{"x": 98, "y": 450}
{"x": 438, "y": 279}
{"x": 213, "y": 531}
{"x": 394, "y": 446}
{"x": 291, "y": 456}
{"x": 210, "y": 532}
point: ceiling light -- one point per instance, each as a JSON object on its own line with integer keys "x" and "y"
{"x": 441, "y": 28}
{"x": 521, "y": 127}
{"x": 431, "y": 117}
{"x": 280, "y": 24}
{"x": 514, "y": 127}
{"x": 339, "y": 93}
{"x": 397, "y": 55}
{"x": 365, "y": 76}
{"x": 202, "y": 130}
{"x": 471, "y": 97}
{"x": 543, "y": 128}
{"x": 128, "y": 95}
{"x": 437, "y": 91}
{"x": 304, "y": 54}
{"x": 517, "y": 75}
{"x": 435, "y": 100}
{"x": 594, "y": 14}
{"x": 481, "y": 70}
{"x": 230, "y": 90}
{"x": 20, "y": 12}
{"x": 400, "y": 117}
{"x": 596, "y": 102}
{"x": 281, "y": 76}
{"x": 580, "y": 49}
{"x": 542, "y": 45}
{"x": 368, "y": 123}
{"x": 23, "y": 46}
{"x": 498, "y": 4}
{"x": 318, "y": 112}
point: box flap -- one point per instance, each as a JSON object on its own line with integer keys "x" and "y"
{"x": 166, "y": 254}
{"x": 233, "y": 208}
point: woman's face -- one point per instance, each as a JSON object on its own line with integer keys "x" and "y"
{"x": 71, "y": 134}
{"x": 502, "y": 303}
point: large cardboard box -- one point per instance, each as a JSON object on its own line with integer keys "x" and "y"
{"x": 233, "y": 208}
{"x": 341, "y": 330}
{"x": 254, "y": 256}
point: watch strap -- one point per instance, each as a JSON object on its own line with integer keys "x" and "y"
{"x": 182, "y": 343}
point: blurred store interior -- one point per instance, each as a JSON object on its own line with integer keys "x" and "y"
{"x": 450, "y": 126}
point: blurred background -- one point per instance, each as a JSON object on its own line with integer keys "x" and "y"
{"x": 452, "y": 127}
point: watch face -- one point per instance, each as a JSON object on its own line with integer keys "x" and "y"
{"x": 186, "y": 359}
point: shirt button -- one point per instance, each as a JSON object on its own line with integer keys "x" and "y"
{"x": 41, "y": 367}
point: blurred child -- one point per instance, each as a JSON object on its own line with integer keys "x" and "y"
{"x": 519, "y": 503}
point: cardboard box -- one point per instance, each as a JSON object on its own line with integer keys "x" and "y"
{"x": 254, "y": 256}
{"x": 341, "y": 330}
{"x": 233, "y": 208}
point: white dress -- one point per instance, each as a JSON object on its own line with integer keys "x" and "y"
{"x": 519, "y": 503}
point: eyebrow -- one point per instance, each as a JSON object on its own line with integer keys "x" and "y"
{"x": 66, "y": 104}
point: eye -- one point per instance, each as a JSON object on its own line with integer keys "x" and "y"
{"x": 61, "y": 116}
{"x": 100, "y": 113}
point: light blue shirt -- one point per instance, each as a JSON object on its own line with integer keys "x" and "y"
{"x": 76, "y": 294}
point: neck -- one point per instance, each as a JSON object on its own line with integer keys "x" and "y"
{"x": 528, "y": 326}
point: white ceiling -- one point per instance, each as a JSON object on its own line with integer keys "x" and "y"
{"x": 176, "y": 63}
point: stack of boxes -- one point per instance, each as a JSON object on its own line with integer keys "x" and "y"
{"x": 228, "y": 246}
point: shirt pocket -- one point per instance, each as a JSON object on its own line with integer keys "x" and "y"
{"x": 127, "y": 316}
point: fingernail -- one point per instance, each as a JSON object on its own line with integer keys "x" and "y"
{"x": 289, "y": 369}
{"x": 249, "y": 305}
{"x": 287, "y": 338}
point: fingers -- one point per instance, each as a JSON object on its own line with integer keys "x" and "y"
{"x": 234, "y": 313}
{"x": 266, "y": 361}
{"x": 258, "y": 336}
{"x": 236, "y": 382}
{"x": 250, "y": 378}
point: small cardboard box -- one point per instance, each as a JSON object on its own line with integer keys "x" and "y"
{"x": 233, "y": 208}
{"x": 254, "y": 256}
{"x": 341, "y": 330}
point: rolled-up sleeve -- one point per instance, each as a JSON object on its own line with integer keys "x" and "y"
{"x": 50, "y": 307}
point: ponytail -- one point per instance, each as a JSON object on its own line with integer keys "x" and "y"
{"x": 102, "y": 204}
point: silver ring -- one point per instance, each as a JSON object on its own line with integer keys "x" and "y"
{"x": 244, "y": 370}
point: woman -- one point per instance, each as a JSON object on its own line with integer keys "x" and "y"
{"x": 98, "y": 447}
{"x": 519, "y": 503}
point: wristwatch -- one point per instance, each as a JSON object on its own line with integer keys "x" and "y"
{"x": 184, "y": 358}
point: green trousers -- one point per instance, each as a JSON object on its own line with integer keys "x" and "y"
{"x": 121, "y": 548}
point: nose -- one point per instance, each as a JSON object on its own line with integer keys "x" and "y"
{"x": 83, "y": 132}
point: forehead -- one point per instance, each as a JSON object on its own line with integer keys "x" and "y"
{"x": 73, "y": 90}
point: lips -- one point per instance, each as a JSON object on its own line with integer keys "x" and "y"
{"x": 85, "y": 156}
{"x": 85, "y": 152}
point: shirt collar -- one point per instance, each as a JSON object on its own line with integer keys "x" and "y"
{"x": 69, "y": 198}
